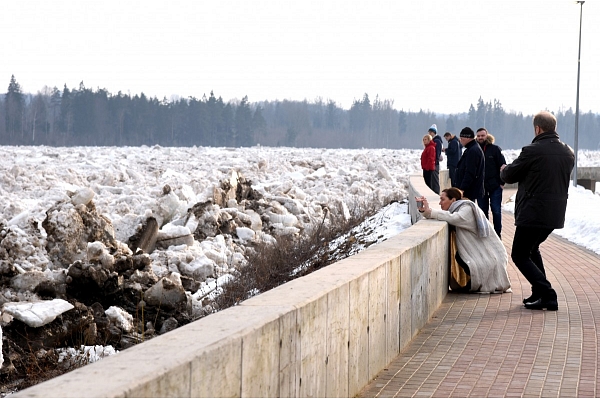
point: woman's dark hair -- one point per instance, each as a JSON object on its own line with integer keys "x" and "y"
{"x": 453, "y": 193}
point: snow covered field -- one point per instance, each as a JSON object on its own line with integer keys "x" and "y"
{"x": 128, "y": 185}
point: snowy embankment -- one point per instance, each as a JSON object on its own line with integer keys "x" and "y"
{"x": 154, "y": 230}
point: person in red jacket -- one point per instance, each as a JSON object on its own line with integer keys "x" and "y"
{"x": 428, "y": 157}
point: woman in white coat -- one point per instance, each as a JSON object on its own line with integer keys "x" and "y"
{"x": 480, "y": 252}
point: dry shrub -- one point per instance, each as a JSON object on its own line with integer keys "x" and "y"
{"x": 296, "y": 256}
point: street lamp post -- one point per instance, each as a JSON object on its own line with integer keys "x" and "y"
{"x": 580, "y": 2}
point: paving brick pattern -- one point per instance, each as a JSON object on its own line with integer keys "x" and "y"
{"x": 491, "y": 346}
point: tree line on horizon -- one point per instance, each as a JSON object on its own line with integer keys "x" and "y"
{"x": 85, "y": 117}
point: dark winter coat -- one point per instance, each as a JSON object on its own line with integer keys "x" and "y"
{"x": 438, "y": 149}
{"x": 428, "y": 157}
{"x": 494, "y": 159}
{"x": 470, "y": 171}
{"x": 543, "y": 171}
{"x": 453, "y": 152}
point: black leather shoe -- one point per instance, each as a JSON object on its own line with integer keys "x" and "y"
{"x": 531, "y": 299}
{"x": 539, "y": 304}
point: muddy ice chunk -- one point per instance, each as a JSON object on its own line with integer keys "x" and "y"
{"x": 169, "y": 324}
{"x": 28, "y": 280}
{"x": 126, "y": 226}
{"x": 168, "y": 292}
{"x": 256, "y": 221}
{"x": 70, "y": 228}
{"x": 167, "y": 208}
{"x": 294, "y": 206}
{"x": 72, "y": 356}
{"x": 297, "y": 193}
{"x": 39, "y": 313}
{"x": 97, "y": 251}
{"x": 144, "y": 238}
{"x": 20, "y": 246}
{"x": 121, "y": 318}
{"x": 174, "y": 235}
{"x": 199, "y": 267}
{"x": 144, "y": 277}
{"x": 82, "y": 196}
{"x": 204, "y": 271}
{"x": 219, "y": 258}
{"x": 245, "y": 234}
{"x": 383, "y": 171}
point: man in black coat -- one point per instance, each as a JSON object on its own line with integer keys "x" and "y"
{"x": 470, "y": 169}
{"x": 543, "y": 171}
{"x": 493, "y": 185}
{"x": 453, "y": 153}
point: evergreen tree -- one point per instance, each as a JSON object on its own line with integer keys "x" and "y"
{"x": 259, "y": 125}
{"x": 472, "y": 119}
{"x": 14, "y": 103}
{"x": 243, "y": 124}
{"x": 450, "y": 125}
{"x": 226, "y": 135}
{"x": 54, "y": 112}
{"x": 38, "y": 117}
{"x": 402, "y": 122}
{"x": 332, "y": 115}
{"x": 481, "y": 114}
{"x": 66, "y": 113}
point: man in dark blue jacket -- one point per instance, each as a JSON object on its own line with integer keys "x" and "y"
{"x": 470, "y": 169}
{"x": 493, "y": 185}
{"x": 435, "y": 178}
{"x": 543, "y": 171}
{"x": 453, "y": 153}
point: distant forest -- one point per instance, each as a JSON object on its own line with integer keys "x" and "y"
{"x": 86, "y": 117}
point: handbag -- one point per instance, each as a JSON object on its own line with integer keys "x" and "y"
{"x": 460, "y": 280}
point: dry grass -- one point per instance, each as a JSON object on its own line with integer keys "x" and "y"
{"x": 296, "y": 256}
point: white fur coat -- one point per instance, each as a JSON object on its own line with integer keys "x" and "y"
{"x": 485, "y": 256}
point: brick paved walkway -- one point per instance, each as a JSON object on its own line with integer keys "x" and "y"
{"x": 491, "y": 346}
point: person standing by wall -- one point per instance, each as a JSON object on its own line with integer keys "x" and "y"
{"x": 493, "y": 185}
{"x": 453, "y": 152}
{"x": 470, "y": 169}
{"x": 428, "y": 160}
{"x": 543, "y": 171}
{"x": 438, "y": 156}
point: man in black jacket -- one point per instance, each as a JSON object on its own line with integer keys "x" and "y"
{"x": 453, "y": 153}
{"x": 470, "y": 169}
{"x": 543, "y": 171}
{"x": 493, "y": 185}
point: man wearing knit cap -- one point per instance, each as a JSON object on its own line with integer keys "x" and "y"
{"x": 470, "y": 168}
{"x": 435, "y": 177}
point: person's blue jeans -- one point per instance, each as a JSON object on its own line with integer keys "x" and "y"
{"x": 493, "y": 200}
{"x": 451, "y": 173}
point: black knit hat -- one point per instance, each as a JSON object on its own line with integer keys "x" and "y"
{"x": 467, "y": 133}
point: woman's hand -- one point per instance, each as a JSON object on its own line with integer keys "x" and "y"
{"x": 422, "y": 204}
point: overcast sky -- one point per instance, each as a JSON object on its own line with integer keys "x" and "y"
{"x": 437, "y": 55}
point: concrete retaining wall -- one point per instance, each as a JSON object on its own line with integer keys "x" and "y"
{"x": 324, "y": 335}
